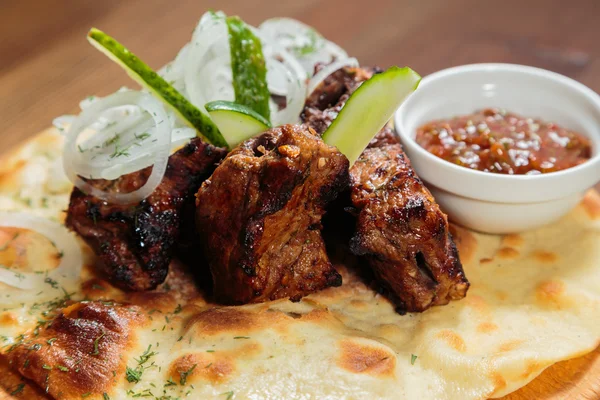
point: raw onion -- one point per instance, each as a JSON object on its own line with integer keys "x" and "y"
{"x": 208, "y": 76}
{"x": 209, "y": 41}
{"x": 327, "y": 70}
{"x": 103, "y": 159}
{"x": 173, "y": 71}
{"x": 65, "y": 276}
{"x": 179, "y": 137}
{"x": 285, "y": 76}
{"x": 303, "y": 41}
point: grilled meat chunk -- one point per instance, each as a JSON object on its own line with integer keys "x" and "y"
{"x": 400, "y": 229}
{"x": 259, "y": 216}
{"x": 135, "y": 242}
{"x": 402, "y": 232}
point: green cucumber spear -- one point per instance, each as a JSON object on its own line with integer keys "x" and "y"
{"x": 368, "y": 109}
{"x": 248, "y": 68}
{"x": 149, "y": 79}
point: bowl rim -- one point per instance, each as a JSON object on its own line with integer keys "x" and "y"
{"x": 437, "y": 77}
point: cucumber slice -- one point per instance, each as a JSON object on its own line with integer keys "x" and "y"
{"x": 149, "y": 79}
{"x": 368, "y": 109}
{"x": 236, "y": 122}
{"x": 248, "y": 68}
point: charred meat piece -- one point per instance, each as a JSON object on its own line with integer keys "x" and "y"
{"x": 400, "y": 229}
{"x": 135, "y": 242}
{"x": 402, "y": 232}
{"x": 259, "y": 216}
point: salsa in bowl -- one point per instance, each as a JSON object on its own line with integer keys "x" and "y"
{"x": 504, "y": 202}
{"x": 499, "y": 141}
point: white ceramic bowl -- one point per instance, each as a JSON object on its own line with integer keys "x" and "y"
{"x": 497, "y": 203}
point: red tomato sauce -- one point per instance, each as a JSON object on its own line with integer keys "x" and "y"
{"x": 498, "y": 141}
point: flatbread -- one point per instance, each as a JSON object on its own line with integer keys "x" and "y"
{"x": 534, "y": 300}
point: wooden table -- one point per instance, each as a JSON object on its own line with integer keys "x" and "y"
{"x": 47, "y": 66}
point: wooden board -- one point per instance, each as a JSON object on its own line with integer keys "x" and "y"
{"x": 576, "y": 379}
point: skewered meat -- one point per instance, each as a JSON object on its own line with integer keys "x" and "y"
{"x": 259, "y": 216}
{"x": 135, "y": 242}
{"x": 400, "y": 229}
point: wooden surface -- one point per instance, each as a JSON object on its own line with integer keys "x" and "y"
{"x": 576, "y": 379}
{"x": 47, "y": 66}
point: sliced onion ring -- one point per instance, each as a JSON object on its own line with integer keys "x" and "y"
{"x": 295, "y": 36}
{"x": 172, "y": 72}
{"x": 66, "y": 275}
{"x": 295, "y": 93}
{"x": 208, "y": 74}
{"x": 209, "y": 41}
{"x": 285, "y": 77}
{"x": 179, "y": 137}
{"x": 328, "y": 70}
{"x": 162, "y": 146}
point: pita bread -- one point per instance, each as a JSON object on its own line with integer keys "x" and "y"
{"x": 534, "y": 301}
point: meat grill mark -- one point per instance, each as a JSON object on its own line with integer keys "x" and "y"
{"x": 400, "y": 230}
{"x": 260, "y": 219}
{"x": 135, "y": 243}
{"x": 403, "y": 234}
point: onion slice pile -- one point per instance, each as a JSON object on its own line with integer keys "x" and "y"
{"x": 208, "y": 76}
{"x": 65, "y": 276}
{"x": 307, "y": 48}
{"x": 207, "y": 68}
{"x": 303, "y": 41}
{"x": 134, "y": 142}
{"x": 133, "y": 130}
{"x": 285, "y": 77}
